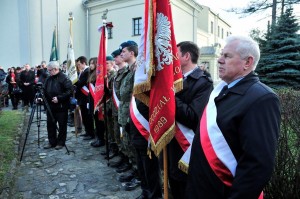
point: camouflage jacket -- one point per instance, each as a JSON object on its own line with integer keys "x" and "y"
{"x": 119, "y": 77}
{"x": 125, "y": 96}
{"x": 110, "y": 77}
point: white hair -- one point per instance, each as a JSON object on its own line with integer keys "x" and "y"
{"x": 246, "y": 47}
{"x": 53, "y": 64}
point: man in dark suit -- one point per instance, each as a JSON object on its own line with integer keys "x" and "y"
{"x": 82, "y": 98}
{"x": 190, "y": 102}
{"x": 58, "y": 89}
{"x": 233, "y": 151}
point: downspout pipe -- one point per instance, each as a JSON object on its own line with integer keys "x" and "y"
{"x": 85, "y": 5}
{"x": 58, "y": 28}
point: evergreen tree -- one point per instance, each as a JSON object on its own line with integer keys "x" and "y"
{"x": 280, "y": 53}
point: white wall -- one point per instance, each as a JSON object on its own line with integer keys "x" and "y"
{"x": 26, "y": 36}
{"x": 9, "y": 34}
{"x": 121, "y": 16}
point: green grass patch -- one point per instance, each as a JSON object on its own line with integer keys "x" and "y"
{"x": 9, "y": 123}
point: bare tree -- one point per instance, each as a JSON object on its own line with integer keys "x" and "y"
{"x": 262, "y": 5}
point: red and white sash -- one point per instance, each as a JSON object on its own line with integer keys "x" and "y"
{"x": 85, "y": 90}
{"x": 184, "y": 137}
{"x": 214, "y": 145}
{"x": 92, "y": 90}
{"x": 183, "y": 134}
{"x": 115, "y": 99}
{"x": 138, "y": 119}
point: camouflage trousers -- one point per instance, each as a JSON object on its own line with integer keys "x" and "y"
{"x": 127, "y": 148}
{"x": 110, "y": 129}
{"x": 117, "y": 131}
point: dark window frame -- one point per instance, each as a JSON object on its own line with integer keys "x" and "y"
{"x": 137, "y": 26}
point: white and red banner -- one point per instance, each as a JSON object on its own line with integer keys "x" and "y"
{"x": 101, "y": 69}
{"x": 158, "y": 76}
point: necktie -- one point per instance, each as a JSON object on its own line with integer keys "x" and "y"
{"x": 223, "y": 91}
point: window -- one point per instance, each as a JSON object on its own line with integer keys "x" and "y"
{"x": 109, "y": 33}
{"x": 218, "y": 31}
{"x": 222, "y": 33}
{"x": 212, "y": 27}
{"x": 137, "y": 26}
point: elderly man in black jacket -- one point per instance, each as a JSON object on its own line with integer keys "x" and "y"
{"x": 58, "y": 89}
{"x": 234, "y": 148}
{"x": 190, "y": 103}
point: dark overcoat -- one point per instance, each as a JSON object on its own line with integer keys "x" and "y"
{"x": 190, "y": 103}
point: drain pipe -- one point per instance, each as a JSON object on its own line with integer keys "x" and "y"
{"x": 57, "y": 29}
{"x": 85, "y": 5}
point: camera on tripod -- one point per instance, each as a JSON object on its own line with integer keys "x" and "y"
{"x": 38, "y": 86}
{"x": 39, "y": 94}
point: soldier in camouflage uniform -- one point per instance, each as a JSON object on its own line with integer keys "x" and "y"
{"x": 129, "y": 54}
{"x": 120, "y": 74}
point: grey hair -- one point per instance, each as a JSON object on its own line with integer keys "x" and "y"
{"x": 246, "y": 47}
{"x": 53, "y": 64}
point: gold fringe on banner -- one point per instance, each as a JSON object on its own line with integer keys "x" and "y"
{"x": 178, "y": 85}
{"x": 163, "y": 141}
{"x": 144, "y": 97}
{"x": 183, "y": 166}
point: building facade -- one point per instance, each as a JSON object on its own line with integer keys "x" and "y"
{"x": 31, "y": 23}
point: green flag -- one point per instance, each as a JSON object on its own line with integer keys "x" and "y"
{"x": 54, "y": 51}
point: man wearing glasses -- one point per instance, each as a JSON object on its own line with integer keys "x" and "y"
{"x": 58, "y": 89}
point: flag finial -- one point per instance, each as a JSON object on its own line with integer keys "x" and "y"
{"x": 71, "y": 18}
{"x": 104, "y": 16}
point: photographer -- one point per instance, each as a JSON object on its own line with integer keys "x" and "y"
{"x": 58, "y": 89}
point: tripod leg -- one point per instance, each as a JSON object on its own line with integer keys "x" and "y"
{"x": 28, "y": 129}
{"x": 38, "y": 119}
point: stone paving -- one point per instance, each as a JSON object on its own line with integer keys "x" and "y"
{"x": 53, "y": 174}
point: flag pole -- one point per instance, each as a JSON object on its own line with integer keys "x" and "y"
{"x": 104, "y": 17}
{"x": 77, "y": 109}
{"x": 166, "y": 189}
{"x": 71, "y": 18}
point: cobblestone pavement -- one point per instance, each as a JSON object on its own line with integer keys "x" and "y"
{"x": 53, "y": 174}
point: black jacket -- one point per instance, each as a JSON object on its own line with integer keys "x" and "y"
{"x": 190, "y": 103}
{"x": 82, "y": 99}
{"x": 59, "y": 86}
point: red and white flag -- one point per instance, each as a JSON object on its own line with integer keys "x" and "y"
{"x": 158, "y": 76}
{"x": 101, "y": 69}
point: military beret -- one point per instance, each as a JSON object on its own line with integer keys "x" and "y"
{"x": 116, "y": 53}
{"x": 127, "y": 44}
{"x": 109, "y": 58}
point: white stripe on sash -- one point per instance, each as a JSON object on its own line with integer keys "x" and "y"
{"x": 116, "y": 101}
{"x": 217, "y": 139}
{"x": 184, "y": 137}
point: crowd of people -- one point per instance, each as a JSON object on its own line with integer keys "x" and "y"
{"x": 235, "y": 123}
{"x": 18, "y": 84}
